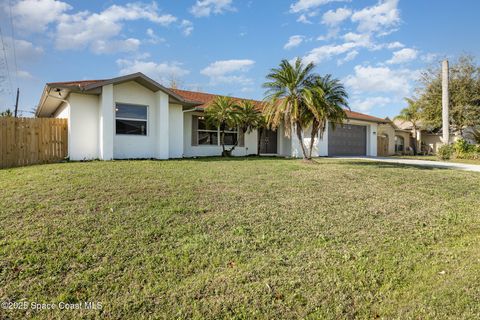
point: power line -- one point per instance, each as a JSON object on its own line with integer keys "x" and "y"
{"x": 13, "y": 43}
{"x": 6, "y": 62}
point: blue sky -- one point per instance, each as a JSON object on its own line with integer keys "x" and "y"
{"x": 377, "y": 48}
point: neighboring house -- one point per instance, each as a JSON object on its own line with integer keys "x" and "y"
{"x": 393, "y": 140}
{"x": 429, "y": 141}
{"x": 398, "y": 137}
{"x": 135, "y": 117}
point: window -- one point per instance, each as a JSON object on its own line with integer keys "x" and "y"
{"x": 399, "y": 144}
{"x": 205, "y": 134}
{"x": 231, "y": 136}
{"x": 131, "y": 119}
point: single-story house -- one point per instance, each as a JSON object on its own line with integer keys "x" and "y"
{"x": 393, "y": 140}
{"x": 133, "y": 116}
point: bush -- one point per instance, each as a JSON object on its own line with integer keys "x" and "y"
{"x": 445, "y": 152}
{"x": 461, "y": 149}
{"x": 465, "y": 150}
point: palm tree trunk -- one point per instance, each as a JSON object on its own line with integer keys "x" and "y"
{"x": 222, "y": 137}
{"x": 313, "y": 134}
{"x": 260, "y": 132}
{"x": 300, "y": 139}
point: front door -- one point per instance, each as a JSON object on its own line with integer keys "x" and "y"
{"x": 268, "y": 142}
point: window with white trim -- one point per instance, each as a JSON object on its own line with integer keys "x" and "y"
{"x": 207, "y": 134}
{"x": 131, "y": 119}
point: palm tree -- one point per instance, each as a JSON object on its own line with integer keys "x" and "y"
{"x": 288, "y": 90}
{"x": 222, "y": 113}
{"x": 225, "y": 113}
{"x": 6, "y": 113}
{"x": 412, "y": 113}
{"x": 330, "y": 99}
{"x": 249, "y": 117}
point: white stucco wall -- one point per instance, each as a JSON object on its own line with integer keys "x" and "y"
{"x": 175, "y": 131}
{"x": 62, "y": 112}
{"x": 204, "y": 151}
{"x": 83, "y": 126}
{"x": 135, "y": 146}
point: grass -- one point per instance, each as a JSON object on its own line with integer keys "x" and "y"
{"x": 241, "y": 239}
{"x": 435, "y": 158}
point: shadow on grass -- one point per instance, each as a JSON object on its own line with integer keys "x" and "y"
{"x": 385, "y": 165}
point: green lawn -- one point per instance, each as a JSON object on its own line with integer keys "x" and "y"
{"x": 241, "y": 238}
{"x": 435, "y": 158}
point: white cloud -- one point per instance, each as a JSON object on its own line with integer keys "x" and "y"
{"x": 187, "y": 27}
{"x": 402, "y": 56}
{"x": 352, "y": 41}
{"x": 430, "y": 57}
{"x": 334, "y": 18}
{"x": 25, "y": 50}
{"x": 326, "y": 52}
{"x": 23, "y": 74}
{"x": 395, "y": 45}
{"x": 367, "y": 104}
{"x": 381, "y": 17}
{"x": 360, "y": 39}
{"x": 161, "y": 72}
{"x": 229, "y": 71}
{"x": 381, "y": 79}
{"x": 303, "y": 18}
{"x": 293, "y": 42}
{"x": 153, "y": 37}
{"x": 349, "y": 57}
{"x": 204, "y": 8}
{"x": 98, "y": 30}
{"x": 111, "y": 46}
{"x": 35, "y": 15}
{"x": 306, "y": 5}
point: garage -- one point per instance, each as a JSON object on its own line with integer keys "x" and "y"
{"x": 347, "y": 140}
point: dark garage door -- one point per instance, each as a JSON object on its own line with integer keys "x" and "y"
{"x": 347, "y": 140}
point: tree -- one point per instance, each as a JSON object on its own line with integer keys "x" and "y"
{"x": 330, "y": 101}
{"x": 464, "y": 88}
{"x": 226, "y": 113}
{"x": 6, "y": 113}
{"x": 289, "y": 97}
{"x": 413, "y": 114}
{"x": 301, "y": 99}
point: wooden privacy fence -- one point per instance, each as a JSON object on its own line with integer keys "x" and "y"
{"x": 26, "y": 141}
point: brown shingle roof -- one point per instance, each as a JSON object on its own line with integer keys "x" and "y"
{"x": 206, "y": 98}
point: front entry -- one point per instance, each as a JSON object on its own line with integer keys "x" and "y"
{"x": 267, "y": 142}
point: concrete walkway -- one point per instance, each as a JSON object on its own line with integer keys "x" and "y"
{"x": 422, "y": 163}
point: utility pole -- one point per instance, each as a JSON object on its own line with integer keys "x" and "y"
{"x": 445, "y": 103}
{"x": 16, "y": 102}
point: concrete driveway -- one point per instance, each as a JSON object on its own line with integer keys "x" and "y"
{"x": 422, "y": 163}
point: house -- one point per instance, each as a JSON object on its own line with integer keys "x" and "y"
{"x": 133, "y": 116}
{"x": 393, "y": 140}
{"x": 399, "y": 137}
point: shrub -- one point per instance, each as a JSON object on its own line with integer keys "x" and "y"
{"x": 465, "y": 150}
{"x": 445, "y": 152}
